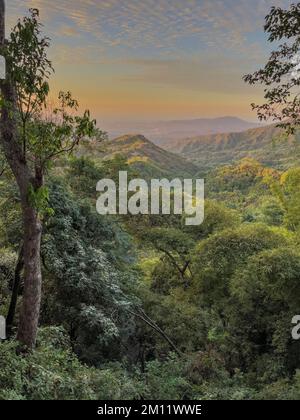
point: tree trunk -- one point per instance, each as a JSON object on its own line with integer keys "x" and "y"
{"x": 31, "y": 301}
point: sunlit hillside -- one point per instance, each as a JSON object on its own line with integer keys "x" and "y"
{"x": 266, "y": 144}
{"x": 144, "y": 156}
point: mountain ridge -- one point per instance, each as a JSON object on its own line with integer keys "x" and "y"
{"x": 163, "y": 133}
{"x": 148, "y": 159}
{"x": 265, "y": 144}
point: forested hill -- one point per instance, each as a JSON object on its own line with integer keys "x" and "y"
{"x": 200, "y": 154}
{"x": 143, "y": 156}
{"x": 265, "y": 144}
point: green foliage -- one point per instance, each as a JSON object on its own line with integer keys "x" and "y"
{"x": 29, "y": 67}
{"x": 84, "y": 276}
{"x": 267, "y": 290}
{"x": 218, "y": 257}
{"x": 271, "y": 212}
{"x": 217, "y": 217}
{"x": 53, "y": 372}
{"x": 280, "y": 75}
{"x": 283, "y": 389}
{"x": 166, "y": 380}
{"x": 83, "y": 175}
{"x": 7, "y": 267}
{"x": 39, "y": 200}
{"x": 286, "y": 190}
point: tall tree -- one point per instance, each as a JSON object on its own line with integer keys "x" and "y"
{"x": 281, "y": 74}
{"x": 31, "y": 137}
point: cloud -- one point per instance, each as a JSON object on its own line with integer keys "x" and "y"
{"x": 66, "y": 30}
{"x": 178, "y": 54}
{"x": 160, "y": 25}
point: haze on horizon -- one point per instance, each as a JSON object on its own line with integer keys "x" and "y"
{"x": 132, "y": 60}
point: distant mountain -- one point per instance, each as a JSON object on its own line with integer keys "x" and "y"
{"x": 147, "y": 158}
{"x": 164, "y": 133}
{"x": 265, "y": 144}
{"x": 198, "y": 155}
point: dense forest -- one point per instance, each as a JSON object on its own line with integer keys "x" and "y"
{"x": 136, "y": 307}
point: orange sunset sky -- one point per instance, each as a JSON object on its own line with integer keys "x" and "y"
{"x": 155, "y": 59}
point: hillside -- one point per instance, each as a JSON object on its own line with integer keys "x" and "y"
{"x": 144, "y": 156}
{"x": 164, "y": 133}
{"x": 265, "y": 144}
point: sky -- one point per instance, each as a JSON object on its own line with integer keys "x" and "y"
{"x": 129, "y": 60}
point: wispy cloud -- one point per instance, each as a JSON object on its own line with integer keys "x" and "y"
{"x": 162, "y": 25}
{"x": 137, "y": 49}
{"x": 66, "y": 30}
